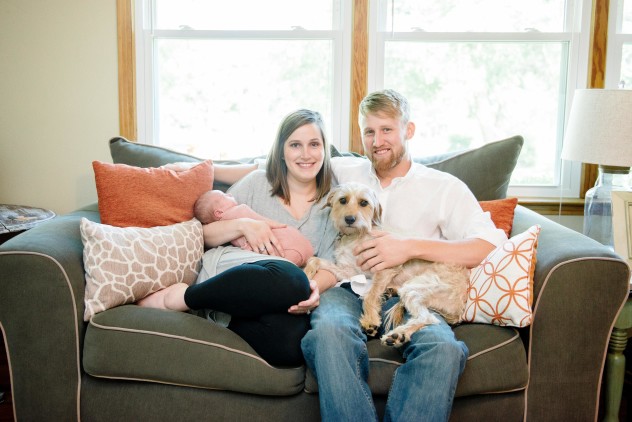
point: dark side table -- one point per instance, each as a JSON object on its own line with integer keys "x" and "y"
{"x": 14, "y": 219}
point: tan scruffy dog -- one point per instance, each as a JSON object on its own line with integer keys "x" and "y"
{"x": 355, "y": 211}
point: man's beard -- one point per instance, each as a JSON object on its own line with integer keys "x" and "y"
{"x": 391, "y": 162}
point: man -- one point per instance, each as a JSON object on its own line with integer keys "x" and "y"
{"x": 434, "y": 217}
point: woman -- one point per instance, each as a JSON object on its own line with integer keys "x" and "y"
{"x": 267, "y": 297}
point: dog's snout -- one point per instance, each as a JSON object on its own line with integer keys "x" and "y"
{"x": 350, "y": 219}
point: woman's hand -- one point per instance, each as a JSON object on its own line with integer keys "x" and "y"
{"x": 261, "y": 238}
{"x": 306, "y": 306}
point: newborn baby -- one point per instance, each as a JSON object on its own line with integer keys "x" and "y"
{"x": 215, "y": 205}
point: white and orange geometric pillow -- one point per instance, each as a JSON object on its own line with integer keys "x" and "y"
{"x": 500, "y": 290}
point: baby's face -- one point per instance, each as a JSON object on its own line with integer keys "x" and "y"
{"x": 225, "y": 201}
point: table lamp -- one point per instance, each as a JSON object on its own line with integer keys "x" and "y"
{"x": 599, "y": 131}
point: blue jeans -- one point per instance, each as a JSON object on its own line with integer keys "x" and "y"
{"x": 335, "y": 350}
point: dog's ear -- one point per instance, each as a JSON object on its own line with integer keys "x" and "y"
{"x": 377, "y": 210}
{"x": 377, "y": 215}
{"x": 330, "y": 197}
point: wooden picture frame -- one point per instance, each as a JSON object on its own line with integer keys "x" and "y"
{"x": 622, "y": 224}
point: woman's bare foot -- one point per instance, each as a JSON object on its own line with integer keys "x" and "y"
{"x": 171, "y": 297}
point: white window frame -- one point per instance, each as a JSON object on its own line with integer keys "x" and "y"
{"x": 337, "y": 123}
{"x": 616, "y": 39}
{"x": 578, "y": 37}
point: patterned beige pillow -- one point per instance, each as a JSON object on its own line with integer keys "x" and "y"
{"x": 124, "y": 265}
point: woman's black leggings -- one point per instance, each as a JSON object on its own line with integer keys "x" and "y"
{"x": 257, "y": 296}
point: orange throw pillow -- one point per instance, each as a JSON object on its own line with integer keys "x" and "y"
{"x": 502, "y": 212}
{"x": 148, "y": 197}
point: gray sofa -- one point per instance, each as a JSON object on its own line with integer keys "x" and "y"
{"x": 130, "y": 363}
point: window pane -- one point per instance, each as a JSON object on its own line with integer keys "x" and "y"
{"x": 626, "y": 66}
{"x": 626, "y": 23}
{"x": 244, "y": 14}
{"x": 476, "y": 15}
{"x": 225, "y": 98}
{"x": 467, "y": 93}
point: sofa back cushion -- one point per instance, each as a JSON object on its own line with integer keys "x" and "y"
{"x": 486, "y": 170}
{"x": 145, "y": 155}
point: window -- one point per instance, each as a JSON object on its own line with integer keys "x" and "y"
{"x": 215, "y": 78}
{"x": 619, "y": 60}
{"x": 476, "y": 71}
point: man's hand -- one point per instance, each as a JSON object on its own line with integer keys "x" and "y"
{"x": 383, "y": 251}
{"x": 306, "y": 306}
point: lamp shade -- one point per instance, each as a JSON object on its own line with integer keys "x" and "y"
{"x": 599, "y": 129}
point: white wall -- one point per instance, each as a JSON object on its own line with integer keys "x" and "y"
{"x": 58, "y": 99}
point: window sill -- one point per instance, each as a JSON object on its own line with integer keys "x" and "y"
{"x": 551, "y": 206}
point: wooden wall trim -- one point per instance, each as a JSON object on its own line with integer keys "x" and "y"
{"x": 359, "y": 69}
{"x": 596, "y": 72}
{"x": 598, "y": 44}
{"x": 126, "y": 69}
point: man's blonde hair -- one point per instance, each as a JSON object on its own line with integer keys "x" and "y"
{"x": 388, "y": 102}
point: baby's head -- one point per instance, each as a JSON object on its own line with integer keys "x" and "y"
{"x": 210, "y": 206}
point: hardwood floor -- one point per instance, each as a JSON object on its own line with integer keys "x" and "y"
{"x": 6, "y": 406}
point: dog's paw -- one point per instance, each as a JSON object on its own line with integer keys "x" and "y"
{"x": 371, "y": 330}
{"x": 389, "y": 293}
{"x": 309, "y": 273}
{"x": 368, "y": 326}
{"x": 312, "y": 267}
{"x": 394, "y": 338}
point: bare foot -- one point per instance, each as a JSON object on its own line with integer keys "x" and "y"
{"x": 171, "y": 297}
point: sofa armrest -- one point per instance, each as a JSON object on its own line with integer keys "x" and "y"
{"x": 580, "y": 286}
{"x": 41, "y": 316}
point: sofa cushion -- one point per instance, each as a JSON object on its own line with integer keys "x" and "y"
{"x": 486, "y": 170}
{"x": 501, "y": 212}
{"x": 497, "y": 362}
{"x": 149, "y": 197}
{"x": 145, "y": 155}
{"x": 125, "y": 264}
{"x": 127, "y": 341}
{"x": 142, "y": 344}
{"x": 500, "y": 289}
